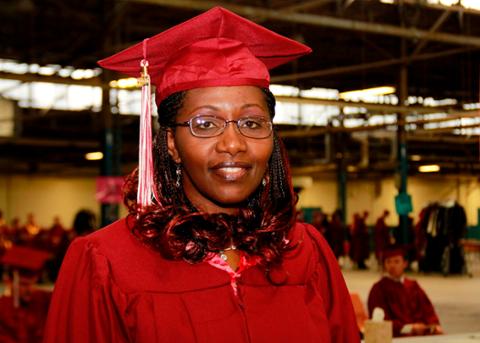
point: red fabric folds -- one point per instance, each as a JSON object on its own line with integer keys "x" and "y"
{"x": 114, "y": 289}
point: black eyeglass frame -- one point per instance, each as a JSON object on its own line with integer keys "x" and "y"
{"x": 189, "y": 122}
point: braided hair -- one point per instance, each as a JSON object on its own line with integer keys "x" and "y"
{"x": 179, "y": 231}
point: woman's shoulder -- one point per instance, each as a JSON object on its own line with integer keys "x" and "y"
{"x": 109, "y": 242}
{"x": 310, "y": 252}
{"x": 113, "y": 252}
{"x": 118, "y": 255}
{"x": 111, "y": 237}
{"x": 307, "y": 237}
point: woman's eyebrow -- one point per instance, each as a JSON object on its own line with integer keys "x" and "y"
{"x": 215, "y": 108}
{"x": 252, "y": 105}
{"x": 209, "y": 107}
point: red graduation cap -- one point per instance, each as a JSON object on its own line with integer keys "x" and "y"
{"x": 25, "y": 258}
{"x": 216, "y": 48}
{"x": 393, "y": 251}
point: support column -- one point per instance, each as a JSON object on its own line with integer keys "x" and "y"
{"x": 111, "y": 151}
{"x": 341, "y": 171}
{"x": 342, "y": 189}
{"x": 402, "y": 169}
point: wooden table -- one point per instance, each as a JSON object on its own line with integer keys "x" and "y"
{"x": 457, "y": 338}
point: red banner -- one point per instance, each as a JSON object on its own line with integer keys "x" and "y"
{"x": 109, "y": 189}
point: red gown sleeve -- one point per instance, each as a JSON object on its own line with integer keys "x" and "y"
{"x": 86, "y": 304}
{"x": 328, "y": 281}
{"x": 428, "y": 312}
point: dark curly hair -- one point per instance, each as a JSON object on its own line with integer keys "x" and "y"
{"x": 179, "y": 231}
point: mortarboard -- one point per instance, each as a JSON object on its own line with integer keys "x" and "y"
{"x": 25, "y": 263}
{"x": 25, "y": 258}
{"x": 216, "y": 48}
{"x": 393, "y": 251}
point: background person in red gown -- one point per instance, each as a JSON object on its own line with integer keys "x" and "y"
{"x": 360, "y": 242}
{"x": 23, "y": 307}
{"x": 404, "y": 302}
{"x": 217, "y": 255}
{"x": 338, "y": 234}
{"x": 383, "y": 237}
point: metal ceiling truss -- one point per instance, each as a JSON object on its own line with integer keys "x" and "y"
{"x": 322, "y": 20}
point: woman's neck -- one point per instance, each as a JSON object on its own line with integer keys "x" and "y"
{"x": 213, "y": 208}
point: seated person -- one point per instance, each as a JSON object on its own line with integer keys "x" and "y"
{"x": 402, "y": 299}
{"x": 23, "y": 307}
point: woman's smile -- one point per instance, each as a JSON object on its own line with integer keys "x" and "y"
{"x": 231, "y": 171}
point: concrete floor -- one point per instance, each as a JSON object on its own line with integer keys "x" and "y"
{"x": 456, "y": 298}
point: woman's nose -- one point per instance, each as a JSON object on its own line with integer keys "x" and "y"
{"x": 231, "y": 140}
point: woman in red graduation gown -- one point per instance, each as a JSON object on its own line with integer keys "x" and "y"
{"x": 216, "y": 256}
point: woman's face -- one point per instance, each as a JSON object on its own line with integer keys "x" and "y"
{"x": 219, "y": 173}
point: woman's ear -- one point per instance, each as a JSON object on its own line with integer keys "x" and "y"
{"x": 172, "y": 149}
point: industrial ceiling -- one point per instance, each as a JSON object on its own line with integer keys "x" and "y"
{"x": 420, "y": 47}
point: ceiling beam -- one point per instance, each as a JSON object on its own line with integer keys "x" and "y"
{"x": 455, "y": 8}
{"x": 317, "y": 131}
{"x": 439, "y": 22}
{"x": 321, "y": 20}
{"x": 304, "y": 5}
{"x": 449, "y": 128}
{"x": 368, "y": 65}
{"x": 50, "y": 143}
{"x": 278, "y": 79}
{"x": 28, "y": 77}
{"x": 418, "y": 137}
{"x": 379, "y": 108}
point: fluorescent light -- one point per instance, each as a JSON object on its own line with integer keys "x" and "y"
{"x": 361, "y": 93}
{"x": 47, "y": 70}
{"x": 415, "y": 157}
{"x": 130, "y": 82}
{"x": 79, "y": 74}
{"x": 94, "y": 156}
{"x": 352, "y": 169}
{"x": 429, "y": 168}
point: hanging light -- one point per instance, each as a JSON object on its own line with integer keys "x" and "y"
{"x": 429, "y": 168}
{"x": 94, "y": 156}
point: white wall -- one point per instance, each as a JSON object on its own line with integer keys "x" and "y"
{"x": 47, "y": 197}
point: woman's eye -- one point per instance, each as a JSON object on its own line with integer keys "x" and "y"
{"x": 252, "y": 123}
{"x": 205, "y": 124}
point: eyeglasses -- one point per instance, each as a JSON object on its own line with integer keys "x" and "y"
{"x": 210, "y": 126}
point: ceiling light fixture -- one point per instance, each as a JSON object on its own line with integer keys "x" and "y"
{"x": 94, "y": 156}
{"x": 429, "y": 168}
{"x": 415, "y": 157}
{"x": 130, "y": 82}
{"x": 362, "y": 93}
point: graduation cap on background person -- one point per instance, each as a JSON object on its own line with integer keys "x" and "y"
{"x": 391, "y": 251}
{"x": 24, "y": 262}
{"x": 25, "y": 259}
{"x": 216, "y": 48}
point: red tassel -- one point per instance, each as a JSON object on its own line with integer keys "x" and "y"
{"x": 146, "y": 185}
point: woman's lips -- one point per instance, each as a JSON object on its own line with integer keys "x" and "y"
{"x": 230, "y": 171}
